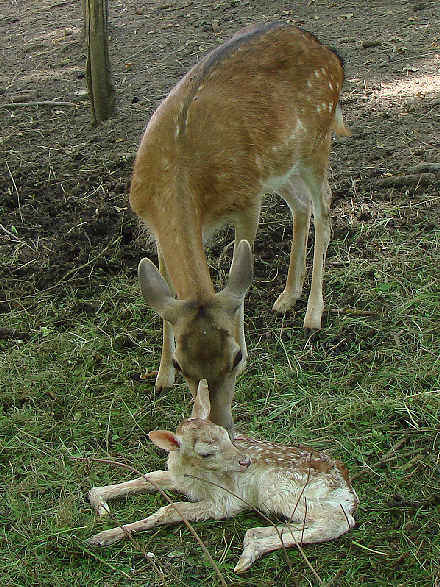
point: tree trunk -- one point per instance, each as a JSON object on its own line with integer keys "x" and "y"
{"x": 99, "y": 82}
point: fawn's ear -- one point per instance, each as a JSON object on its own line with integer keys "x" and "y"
{"x": 164, "y": 439}
{"x": 202, "y": 405}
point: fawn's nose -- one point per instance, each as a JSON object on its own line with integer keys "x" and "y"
{"x": 245, "y": 462}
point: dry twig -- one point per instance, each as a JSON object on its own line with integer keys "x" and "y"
{"x": 43, "y": 103}
{"x": 384, "y": 459}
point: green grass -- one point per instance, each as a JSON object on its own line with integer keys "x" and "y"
{"x": 369, "y": 381}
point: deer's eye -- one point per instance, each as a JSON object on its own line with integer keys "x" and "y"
{"x": 176, "y": 365}
{"x": 237, "y": 359}
{"x": 207, "y": 455}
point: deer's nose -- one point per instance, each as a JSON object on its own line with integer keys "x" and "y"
{"x": 245, "y": 462}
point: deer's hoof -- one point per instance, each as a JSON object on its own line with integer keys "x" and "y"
{"x": 164, "y": 381}
{"x": 285, "y": 301}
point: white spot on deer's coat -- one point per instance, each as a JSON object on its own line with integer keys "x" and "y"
{"x": 316, "y": 73}
{"x": 309, "y": 83}
{"x": 298, "y": 127}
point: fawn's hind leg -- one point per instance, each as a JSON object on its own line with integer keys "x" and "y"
{"x": 98, "y": 496}
{"x": 258, "y": 541}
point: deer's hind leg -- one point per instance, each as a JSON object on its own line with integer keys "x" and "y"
{"x": 316, "y": 179}
{"x": 298, "y": 197}
{"x": 98, "y": 496}
{"x": 259, "y": 541}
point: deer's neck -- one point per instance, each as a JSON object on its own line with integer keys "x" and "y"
{"x": 181, "y": 245}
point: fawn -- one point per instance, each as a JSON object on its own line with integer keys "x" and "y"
{"x": 254, "y": 116}
{"x": 223, "y": 477}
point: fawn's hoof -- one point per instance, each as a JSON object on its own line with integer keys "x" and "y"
{"x": 245, "y": 561}
{"x": 98, "y": 503}
{"x": 106, "y": 537}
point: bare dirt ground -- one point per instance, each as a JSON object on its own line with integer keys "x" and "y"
{"x": 64, "y": 185}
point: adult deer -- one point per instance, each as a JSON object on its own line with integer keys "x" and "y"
{"x": 254, "y": 116}
{"x": 307, "y": 487}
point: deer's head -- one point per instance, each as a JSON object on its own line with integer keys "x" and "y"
{"x": 206, "y": 331}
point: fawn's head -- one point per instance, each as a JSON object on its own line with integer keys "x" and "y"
{"x": 202, "y": 445}
{"x": 206, "y": 331}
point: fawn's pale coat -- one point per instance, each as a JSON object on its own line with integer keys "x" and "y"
{"x": 308, "y": 488}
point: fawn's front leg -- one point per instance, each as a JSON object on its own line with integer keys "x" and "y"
{"x": 169, "y": 514}
{"x": 98, "y": 496}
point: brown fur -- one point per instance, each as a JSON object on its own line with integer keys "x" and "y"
{"x": 254, "y": 116}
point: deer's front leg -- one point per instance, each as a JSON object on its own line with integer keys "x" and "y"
{"x": 166, "y": 374}
{"x": 245, "y": 229}
{"x": 98, "y": 496}
{"x": 169, "y": 514}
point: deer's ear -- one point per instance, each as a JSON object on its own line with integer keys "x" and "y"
{"x": 164, "y": 439}
{"x": 156, "y": 292}
{"x": 240, "y": 277}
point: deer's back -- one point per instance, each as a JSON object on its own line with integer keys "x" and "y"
{"x": 252, "y": 110}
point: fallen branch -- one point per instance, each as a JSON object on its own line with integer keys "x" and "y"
{"x": 402, "y": 180}
{"x": 43, "y": 103}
